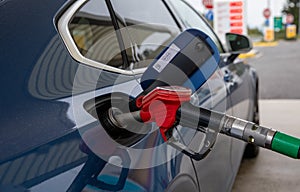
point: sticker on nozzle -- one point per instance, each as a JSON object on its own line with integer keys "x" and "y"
{"x": 163, "y": 61}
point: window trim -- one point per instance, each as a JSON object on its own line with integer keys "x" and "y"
{"x": 66, "y": 36}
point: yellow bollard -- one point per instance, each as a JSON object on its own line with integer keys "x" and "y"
{"x": 290, "y": 32}
{"x": 269, "y": 35}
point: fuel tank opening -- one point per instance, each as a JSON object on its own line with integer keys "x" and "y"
{"x": 107, "y": 106}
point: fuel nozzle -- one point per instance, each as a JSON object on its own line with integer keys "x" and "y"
{"x": 169, "y": 106}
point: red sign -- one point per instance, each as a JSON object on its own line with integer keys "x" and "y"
{"x": 238, "y": 31}
{"x": 267, "y": 13}
{"x": 236, "y": 10}
{"x": 236, "y": 17}
{"x": 289, "y": 18}
{"x": 236, "y": 4}
{"x": 236, "y": 24}
{"x": 208, "y": 4}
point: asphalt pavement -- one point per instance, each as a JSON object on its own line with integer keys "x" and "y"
{"x": 278, "y": 67}
{"x": 270, "y": 171}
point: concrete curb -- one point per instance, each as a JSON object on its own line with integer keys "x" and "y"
{"x": 250, "y": 54}
{"x": 265, "y": 44}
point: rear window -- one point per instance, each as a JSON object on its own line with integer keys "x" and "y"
{"x": 145, "y": 28}
{"x": 94, "y": 35}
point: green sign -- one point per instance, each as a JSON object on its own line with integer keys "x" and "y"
{"x": 277, "y": 23}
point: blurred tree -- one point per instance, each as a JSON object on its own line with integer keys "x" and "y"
{"x": 292, "y": 7}
{"x": 254, "y": 32}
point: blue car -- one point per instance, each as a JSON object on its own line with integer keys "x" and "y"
{"x": 64, "y": 64}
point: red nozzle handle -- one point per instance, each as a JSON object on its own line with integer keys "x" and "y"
{"x": 161, "y": 105}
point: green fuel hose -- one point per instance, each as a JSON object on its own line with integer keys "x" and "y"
{"x": 261, "y": 136}
{"x": 286, "y": 145}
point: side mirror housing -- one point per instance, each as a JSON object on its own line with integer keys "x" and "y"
{"x": 237, "y": 43}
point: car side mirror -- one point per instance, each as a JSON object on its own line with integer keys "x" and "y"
{"x": 237, "y": 43}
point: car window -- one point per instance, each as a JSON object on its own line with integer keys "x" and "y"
{"x": 150, "y": 26}
{"x": 191, "y": 19}
{"x": 94, "y": 35}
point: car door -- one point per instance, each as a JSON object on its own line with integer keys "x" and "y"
{"x": 240, "y": 81}
{"x": 214, "y": 172}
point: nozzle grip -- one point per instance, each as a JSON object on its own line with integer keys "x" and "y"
{"x": 286, "y": 144}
